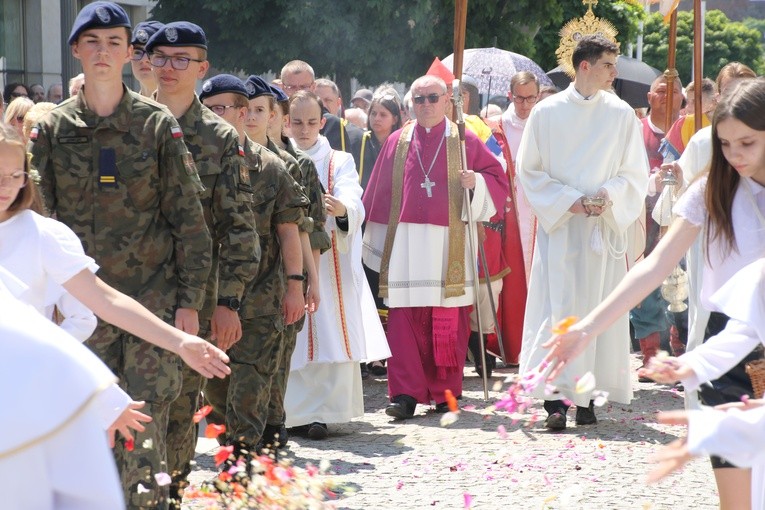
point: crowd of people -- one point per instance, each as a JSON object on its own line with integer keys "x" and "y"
{"x": 267, "y": 238}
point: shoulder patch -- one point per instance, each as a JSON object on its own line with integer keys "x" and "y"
{"x": 176, "y": 132}
{"x": 244, "y": 175}
{"x": 241, "y": 151}
{"x": 188, "y": 164}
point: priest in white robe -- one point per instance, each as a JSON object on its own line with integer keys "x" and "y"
{"x": 581, "y": 144}
{"x": 416, "y": 239}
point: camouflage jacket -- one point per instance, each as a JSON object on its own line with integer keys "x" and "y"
{"x": 277, "y": 199}
{"x": 315, "y": 191}
{"x": 226, "y": 201}
{"x": 127, "y": 186}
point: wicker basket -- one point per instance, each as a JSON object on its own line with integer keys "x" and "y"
{"x": 756, "y": 371}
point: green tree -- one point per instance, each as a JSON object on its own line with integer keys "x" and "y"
{"x": 378, "y": 40}
{"x": 725, "y": 41}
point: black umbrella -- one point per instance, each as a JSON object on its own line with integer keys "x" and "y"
{"x": 632, "y": 84}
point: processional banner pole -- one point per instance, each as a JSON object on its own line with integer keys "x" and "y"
{"x": 697, "y": 62}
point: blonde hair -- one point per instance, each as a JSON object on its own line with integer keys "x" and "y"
{"x": 18, "y": 108}
{"x": 29, "y": 196}
{"x": 35, "y": 114}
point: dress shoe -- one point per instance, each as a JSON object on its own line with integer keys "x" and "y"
{"x": 401, "y": 407}
{"x": 586, "y": 415}
{"x": 317, "y": 430}
{"x": 275, "y": 436}
{"x": 364, "y": 371}
{"x": 556, "y": 421}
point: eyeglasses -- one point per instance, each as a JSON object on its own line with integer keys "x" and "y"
{"x": 432, "y": 98}
{"x": 15, "y": 180}
{"x": 527, "y": 99}
{"x": 177, "y": 63}
{"x": 295, "y": 88}
{"x": 220, "y": 109}
{"x": 138, "y": 54}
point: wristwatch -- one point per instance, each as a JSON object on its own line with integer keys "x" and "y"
{"x": 298, "y": 277}
{"x": 232, "y": 303}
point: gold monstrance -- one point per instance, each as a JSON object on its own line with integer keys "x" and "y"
{"x": 575, "y": 29}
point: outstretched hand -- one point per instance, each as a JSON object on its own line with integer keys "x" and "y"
{"x": 666, "y": 370}
{"x": 673, "y": 456}
{"x": 204, "y": 357}
{"x": 131, "y": 418}
{"x": 564, "y": 348}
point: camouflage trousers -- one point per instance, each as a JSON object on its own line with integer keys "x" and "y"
{"x": 241, "y": 401}
{"x": 153, "y": 375}
{"x": 276, "y": 414}
{"x": 182, "y": 432}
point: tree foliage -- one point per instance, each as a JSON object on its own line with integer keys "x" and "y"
{"x": 725, "y": 41}
{"x": 379, "y": 40}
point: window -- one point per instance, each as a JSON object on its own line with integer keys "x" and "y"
{"x": 11, "y": 40}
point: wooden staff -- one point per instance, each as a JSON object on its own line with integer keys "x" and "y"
{"x": 697, "y": 63}
{"x": 671, "y": 73}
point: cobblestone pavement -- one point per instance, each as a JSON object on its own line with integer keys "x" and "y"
{"x": 418, "y": 463}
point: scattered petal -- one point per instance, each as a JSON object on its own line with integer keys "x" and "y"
{"x": 213, "y": 430}
{"x": 141, "y": 489}
{"x": 497, "y": 386}
{"x": 563, "y": 325}
{"x": 224, "y": 452}
{"x": 451, "y": 401}
{"x": 599, "y": 398}
{"x": 163, "y": 479}
{"x": 468, "y": 501}
{"x": 129, "y": 444}
{"x": 449, "y": 418}
{"x": 585, "y": 384}
{"x": 204, "y": 411}
{"x": 148, "y": 444}
{"x": 502, "y": 431}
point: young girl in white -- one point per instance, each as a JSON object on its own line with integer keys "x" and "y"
{"x": 324, "y": 383}
{"x": 728, "y": 206}
{"x": 48, "y": 259}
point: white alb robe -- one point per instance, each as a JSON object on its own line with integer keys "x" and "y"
{"x": 56, "y": 417}
{"x": 346, "y": 329}
{"x": 572, "y": 147}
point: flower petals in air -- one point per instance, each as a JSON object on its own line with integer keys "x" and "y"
{"x": 129, "y": 444}
{"x": 562, "y": 325}
{"x": 502, "y": 431}
{"x": 140, "y": 489}
{"x": 599, "y": 398}
{"x": 468, "y": 501}
{"x": 585, "y": 384}
{"x": 204, "y": 411}
{"x": 224, "y": 452}
{"x": 451, "y": 401}
{"x": 163, "y": 479}
{"x": 449, "y": 418}
{"x": 213, "y": 430}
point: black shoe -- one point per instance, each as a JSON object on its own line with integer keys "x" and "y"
{"x": 300, "y": 430}
{"x": 364, "y": 371}
{"x": 377, "y": 368}
{"x": 318, "y": 430}
{"x": 586, "y": 415}
{"x": 475, "y": 350}
{"x": 275, "y": 436}
{"x": 556, "y": 421}
{"x": 401, "y": 407}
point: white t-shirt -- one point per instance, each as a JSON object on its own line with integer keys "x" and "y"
{"x": 43, "y": 254}
{"x": 748, "y": 216}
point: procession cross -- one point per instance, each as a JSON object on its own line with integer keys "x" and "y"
{"x": 426, "y": 185}
{"x": 590, "y": 3}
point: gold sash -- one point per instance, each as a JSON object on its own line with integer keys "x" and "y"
{"x": 455, "y": 270}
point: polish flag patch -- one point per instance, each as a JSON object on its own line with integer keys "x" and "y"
{"x": 241, "y": 151}
{"x": 176, "y": 132}
{"x": 34, "y": 133}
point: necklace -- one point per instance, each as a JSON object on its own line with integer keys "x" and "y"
{"x": 427, "y": 184}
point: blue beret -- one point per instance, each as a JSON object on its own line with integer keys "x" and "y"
{"x": 221, "y": 84}
{"x": 98, "y": 15}
{"x": 256, "y": 87}
{"x": 178, "y": 33}
{"x": 279, "y": 94}
{"x": 144, "y": 30}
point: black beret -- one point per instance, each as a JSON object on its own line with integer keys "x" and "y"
{"x": 256, "y": 87}
{"x": 221, "y": 84}
{"x": 98, "y": 15}
{"x": 178, "y": 33}
{"x": 278, "y": 94}
{"x": 144, "y": 30}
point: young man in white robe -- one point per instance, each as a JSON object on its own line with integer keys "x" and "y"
{"x": 583, "y": 166}
{"x": 324, "y": 383}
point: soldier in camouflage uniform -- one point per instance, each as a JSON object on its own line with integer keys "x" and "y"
{"x": 317, "y": 243}
{"x": 178, "y": 53}
{"x": 115, "y": 169}
{"x": 275, "y": 299}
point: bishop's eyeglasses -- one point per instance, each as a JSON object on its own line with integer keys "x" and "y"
{"x": 431, "y": 98}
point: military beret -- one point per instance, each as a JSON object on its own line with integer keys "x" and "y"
{"x": 256, "y": 87}
{"x": 222, "y": 84}
{"x": 98, "y": 15}
{"x": 144, "y": 30}
{"x": 278, "y": 94}
{"x": 178, "y": 33}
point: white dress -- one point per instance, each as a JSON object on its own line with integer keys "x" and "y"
{"x": 571, "y": 147}
{"x": 324, "y": 383}
{"x": 55, "y": 417}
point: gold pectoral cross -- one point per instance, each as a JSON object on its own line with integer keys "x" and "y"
{"x": 426, "y": 185}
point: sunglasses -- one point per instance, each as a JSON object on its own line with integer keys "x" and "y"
{"x": 432, "y": 98}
